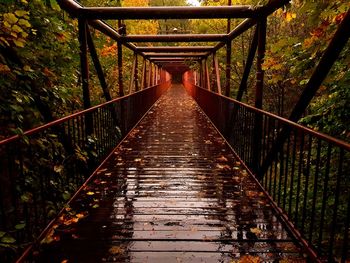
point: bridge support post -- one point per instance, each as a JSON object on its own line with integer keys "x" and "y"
{"x": 228, "y": 68}
{"x": 98, "y": 66}
{"x": 338, "y": 42}
{"x": 155, "y": 74}
{"x": 207, "y": 74}
{"x": 250, "y": 60}
{"x": 133, "y": 74}
{"x": 202, "y": 74}
{"x": 217, "y": 73}
{"x": 120, "y": 65}
{"x": 143, "y": 76}
{"x": 149, "y": 82}
{"x": 258, "y": 121}
{"x": 136, "y": 78}
{"x": 82, "y": 24}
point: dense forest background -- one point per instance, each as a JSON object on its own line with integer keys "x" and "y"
{"x": 39, "y": 60}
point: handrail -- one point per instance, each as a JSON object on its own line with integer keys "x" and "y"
{"x": 67, "y": 151}
{"x": 308, "y": 180}
{"x": 320, "y": 135}
{"x": 61, "y": 120}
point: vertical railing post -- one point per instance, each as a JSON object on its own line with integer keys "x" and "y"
{"x": 258, "y": 121}
{"x": 85, "y": 72}
{"x": 228, "y": 68}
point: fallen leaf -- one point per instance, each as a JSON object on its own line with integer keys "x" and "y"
{"x": 222, "y": 159}
{"x": 224, "y": 167}
{"x": 102, "y": 170}
{"x": 80, "y": 215}
{"x": 249, "y": 259}
{"x": 208, "y": 142}
{"x": 90, "y": 193}
{"x": 252, "y": 194}
{"x": 256, "y": 230}
{"x": 116, "y": 250}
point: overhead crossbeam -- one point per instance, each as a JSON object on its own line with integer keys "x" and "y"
{"x": 173, "y": 12}
{"x": 175, "y": 38}
{"x": 158, "y": 55}
{"x": 173, "y": 59}
{"x": 170, "y": 62}
{"x": 175, "y": 49}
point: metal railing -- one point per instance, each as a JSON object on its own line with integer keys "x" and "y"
{"x": 308, "y": 179}
{"x": 41, "y": 169}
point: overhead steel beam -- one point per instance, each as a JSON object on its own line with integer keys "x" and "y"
{"x": 170, "y": 63}
{"x": 172, "y": 59}
{"x": 132, "y": 13}
{"x": 175, "y": 49}
{"x": 170, "y": 12}
{"x": 154, "y": 55}
{"x": 175, "y": 63}
{"x": 175, "y": 38}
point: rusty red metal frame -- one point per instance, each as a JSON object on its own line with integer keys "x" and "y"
{"x": 175, "y": 55}
{"x": 26, "y": 252}
{"x": 164, "y": 55}
{"x": 295, "y": 125}
{"x": 175, "y": 49}
{"x": 174, "y": 12}
{"x": 332, "y": 52}
{"x": 195, "y": 90}
{"x": 175, "y": 38}
{"x": 64, "y": 119}
{"x": 278, "y": 210}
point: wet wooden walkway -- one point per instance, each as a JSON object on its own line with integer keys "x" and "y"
{"x": 171, "y": 192}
